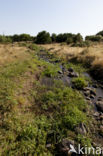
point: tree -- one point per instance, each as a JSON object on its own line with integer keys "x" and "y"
{"x": 53, "y": 37}
{"x": 43, "y": 38}
{"x": 25, "y": 37}
{"x": 78, "y": 38}
{"x": 100, "y": 33}
{"x": 94, "y": 38}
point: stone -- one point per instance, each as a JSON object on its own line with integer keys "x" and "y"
{"x": 92, "y": 96}
{"x": 87, "y": 93}
{"x": 96, "y": 114}
{"x": 57, "y": 61}
{"x": 93, "y": 92}
{"x": 87, "y": 98}
{"x": 64, "y": 146}
{"x": 73, "y": 74}
{"x": 81, "y": 129}
{"x": 48, "y": 145}
{"x": 70, "y": 69}
{"x": 60, "y": 72}
{"x": 101, "y": 117}
{"x": 101, "y": 128}
{"x": 95, "y": 86}
{"x": 87, "y": 89}
{"x": 101, "y": 86}
{"x": 99, "y": 105}
{"x": 100, "y": 98}
{"x": 76, "y": 75}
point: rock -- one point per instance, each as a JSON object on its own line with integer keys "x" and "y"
{"x": 48, "y": 145}
{"x": 99, "y": 105}
{"x": 93, "y": 92}
{"x": 100, "y": 98}
{"x": 87, "y": 98}
{"x": 92, "y": 96}
{"x": 87, "y": 89}
{"x": 101, "y": 129}
{"x": 57, "y": 61}
{"x": 96, "y": 114}
{"x": 101, "y": 117}
{"x": 101, "y": 86}
{"x": 70, "y": 69}
{"x": 76, "y": 75}
{"x": 73, "y": 74}
{"x": 81, "y": 129}
{"x": 87, "y": 93}
{"x": 60, "y": 72}
{"x": 95, "y": 86}
{"x": 64, "y": 146}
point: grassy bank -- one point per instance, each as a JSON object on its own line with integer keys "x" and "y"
{"x": 32, "y": 114}
{"x": 91, "y": 57}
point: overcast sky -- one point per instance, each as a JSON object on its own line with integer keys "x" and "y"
{"x": 58, "y": 16}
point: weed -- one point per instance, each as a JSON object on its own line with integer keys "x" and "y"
{"x": 79, "y": 82}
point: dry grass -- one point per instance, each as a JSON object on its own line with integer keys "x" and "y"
{"x": 92, "y": 56}
{"x": 11, "y": 53}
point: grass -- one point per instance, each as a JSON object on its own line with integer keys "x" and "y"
{"x": 33, "y": 115}
{"x": 91, "y": 56}
{"x": 51, "y": 70}
{"x": 80, "y": 82}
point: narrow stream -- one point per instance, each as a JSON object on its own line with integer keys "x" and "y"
{"x": 67, "y": 80}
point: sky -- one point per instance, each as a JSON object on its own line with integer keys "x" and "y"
{"x": 54, "y": 16}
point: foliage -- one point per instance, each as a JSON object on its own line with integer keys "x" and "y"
{"x": 5, "y": 39}
{"x": 50, "y": 70}
{"x": 22, "y": 37}
{"x": 43, "y": 38}
{"x": 94, "y": 38}
{"x": 50, "y": 113}
{"x": 78, "y": 38}
{"x": 53, "y": 37}
{"x": 100, "y": 33}
{"x": 79, "y": 83}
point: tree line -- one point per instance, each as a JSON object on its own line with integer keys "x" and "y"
{"x": 45, "y": 38}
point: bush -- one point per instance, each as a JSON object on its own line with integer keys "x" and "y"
{"x": 5, "y": 39}
{"x": 79, "y": 83}
{"x": 100, "y": 33}
{"x": 94, "y": 38}
{"x": 43, "y": 38}
{"x": 22, "y": 37}
{"x": 51, "y": 70}
{"x": 78, "y": 38}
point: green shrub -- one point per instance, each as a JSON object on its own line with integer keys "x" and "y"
{"x": 5, "y": 39}
{"x": 94, "y": 38}
{"x": 50, "y": 70}
{"x": 78, "y": 38}
{"x": 72, "y": 119}
{"x": 79, "y": 83}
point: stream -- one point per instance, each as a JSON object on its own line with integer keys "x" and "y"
{"x": 67, "y": 80}
{"x": 95, "y": 88}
